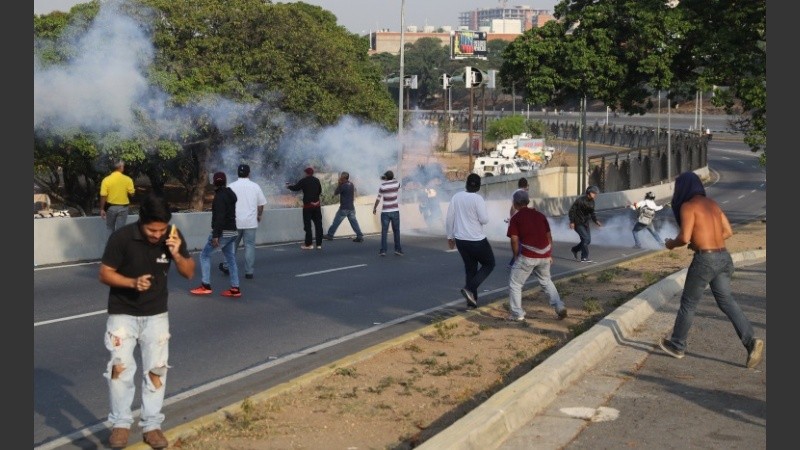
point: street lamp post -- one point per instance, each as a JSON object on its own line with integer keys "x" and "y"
{"x": 669, "y": 138}
{"x": 400, "y": 95}
{"x": 583, "y": 162}
{"x": 582, "y": 159}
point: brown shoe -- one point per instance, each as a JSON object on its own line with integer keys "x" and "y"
{"x": 155, "y": 438}
{"x": 119, "y": 437}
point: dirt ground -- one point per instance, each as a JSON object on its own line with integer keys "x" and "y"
{"x": 401, "y": 396}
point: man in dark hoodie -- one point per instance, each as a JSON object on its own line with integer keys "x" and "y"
{"x": 223, "y": 236}
{"x": 581, "y": 211}
{"x": 704, "y": 228}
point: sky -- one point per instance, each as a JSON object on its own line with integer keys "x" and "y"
{"x": 363, "y": 16}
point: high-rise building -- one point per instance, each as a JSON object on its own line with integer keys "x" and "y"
{"x": 483, "y": 17}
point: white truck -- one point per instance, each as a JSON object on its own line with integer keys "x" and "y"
{"x": 518, "y": 154}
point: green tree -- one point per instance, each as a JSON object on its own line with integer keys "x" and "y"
{"x": 269, "y": 59}
{"x": 622, "y": 51}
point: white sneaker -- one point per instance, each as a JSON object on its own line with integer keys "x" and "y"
{"x": 514, "y": 318}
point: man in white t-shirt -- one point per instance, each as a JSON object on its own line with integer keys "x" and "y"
{"x": 249, "y": 208}
{"x": 466, "y": 216}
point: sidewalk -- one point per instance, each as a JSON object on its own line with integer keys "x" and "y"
{"x": 611, "y": 387}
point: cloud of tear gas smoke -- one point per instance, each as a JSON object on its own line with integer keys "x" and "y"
{"x": 104, "y": 84}
{"x": 616, "y": 231}
{"x": 105, "y": 88}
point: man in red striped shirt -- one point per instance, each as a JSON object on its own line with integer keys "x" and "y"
{"x": 390, "y": 212}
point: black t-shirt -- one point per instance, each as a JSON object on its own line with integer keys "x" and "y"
{"x": 129, "y": 252}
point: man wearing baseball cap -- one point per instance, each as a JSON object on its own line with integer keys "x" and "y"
{"x": 222, "y": 237}
{"x": 312, "y": 207}
{"x": 580, "y": 213}
{"x": 250, "y": 202}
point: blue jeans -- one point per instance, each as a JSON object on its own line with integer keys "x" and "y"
{"x": 116, "y": 218}
{"x": 586, "y": 238}
{"x": 652, "y": 229}
{"x": 123, "y": 334}
{"x": 714, "y": 269}
{"x": 522, "y": 269}
{"x": 392, "y": 218}
{"x": 228, "y": 247}
{"x": 248, "y": 235}
{"x": 474, "y": 253}
{"x": 350, "y": 214}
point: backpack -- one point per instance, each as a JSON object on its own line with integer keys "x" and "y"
{"x": 646, "y": 215}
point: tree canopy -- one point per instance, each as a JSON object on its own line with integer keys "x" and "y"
{"x": 221, "y": 74}
{"x": 622, "y": 51}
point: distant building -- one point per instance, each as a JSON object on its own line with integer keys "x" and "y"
{"x": 483, "y": 17}
{"x": 505, "y": 23}
{"x": 389, "y": 41}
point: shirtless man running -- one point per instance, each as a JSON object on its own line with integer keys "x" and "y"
{"x": 704, "y": 228}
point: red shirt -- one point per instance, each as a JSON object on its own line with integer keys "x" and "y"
{"x": 531, "y": 227}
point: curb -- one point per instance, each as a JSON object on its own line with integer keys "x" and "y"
{"x": 488, "y": 425}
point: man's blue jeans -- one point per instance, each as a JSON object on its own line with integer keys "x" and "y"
{"x": 248, "y": 235}
{"x": 586, "y": 238}
{"x": 392, "y": 218}
{"x": 714, "y": 269}
{"x": 123, "y": 334}
{"x": 228, "y": 247}
{"x": 350, "y": 214}
{"x": 649, "y": 227}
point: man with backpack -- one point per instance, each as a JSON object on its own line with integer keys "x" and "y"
{"x": 646, "y": 211}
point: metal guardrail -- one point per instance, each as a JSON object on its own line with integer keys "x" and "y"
{"x": 654, "y": 155}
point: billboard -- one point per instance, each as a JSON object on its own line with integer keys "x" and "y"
{"x": 468, "y": 44}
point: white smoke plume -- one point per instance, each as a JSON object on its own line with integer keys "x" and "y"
{"x": 105, "y": 86}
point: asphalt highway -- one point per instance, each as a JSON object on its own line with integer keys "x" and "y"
{"x": 302, "y": 310}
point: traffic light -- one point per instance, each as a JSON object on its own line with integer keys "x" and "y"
{"x": 471, "y": 77}
{"x": 410, "y": 81}
{"x": 445, "y": 79}
{"x": 491, "y": 83}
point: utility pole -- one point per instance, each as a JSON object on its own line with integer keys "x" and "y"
{"x": 400, "y": 94}
{"x": 669, "y": 138}
{"x": 471, "y": 102}
{"x": 483, "y": 114}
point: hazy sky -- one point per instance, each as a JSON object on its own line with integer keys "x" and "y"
{"x": 365, "y": 15}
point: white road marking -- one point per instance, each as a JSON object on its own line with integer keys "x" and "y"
{"x": 308, "y": 274}
{"x": 64, "y": 319}
{"x": 601, "y": 414}
{"x": 91, "y": 430}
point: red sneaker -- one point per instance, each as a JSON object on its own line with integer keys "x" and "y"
{"x": 232, "y": 292}
{"x": 202, "y": 290}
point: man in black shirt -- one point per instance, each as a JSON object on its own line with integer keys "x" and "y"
{"x": 312, "y": 208}
{"x": 134, "y": 265}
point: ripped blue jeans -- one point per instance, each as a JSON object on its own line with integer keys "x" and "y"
{"x": 123, "y": 334}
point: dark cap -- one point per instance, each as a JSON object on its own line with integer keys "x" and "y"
{"x": 220, "y": 179}
{"x": 309, "y": 171}
{"x": 243, "y": 170}
{"x": 388, "y": 175}
{"x": 521, "y": 197}
{"x": 473, "y": 182}
{"x": 593, "y": 190}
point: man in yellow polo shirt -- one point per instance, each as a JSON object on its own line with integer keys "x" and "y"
{"x": 115, "y": 192}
